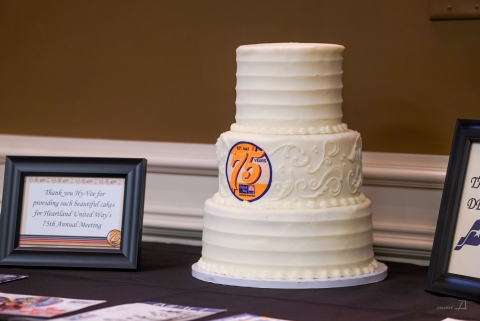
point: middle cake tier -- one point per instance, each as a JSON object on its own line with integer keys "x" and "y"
{"x": 289, "y": 172}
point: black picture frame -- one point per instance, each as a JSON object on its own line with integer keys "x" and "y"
{"x": 17, "y": 168}
{"x": 439, "y": 279}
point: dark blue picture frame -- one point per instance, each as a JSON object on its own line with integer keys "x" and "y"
{"x": 439, "y": 280}
{"x": 133, "y": 170}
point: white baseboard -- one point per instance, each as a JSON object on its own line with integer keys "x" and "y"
{"x": 405, "y": 189}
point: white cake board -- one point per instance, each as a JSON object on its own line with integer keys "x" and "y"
{"x": 379, "y": 274}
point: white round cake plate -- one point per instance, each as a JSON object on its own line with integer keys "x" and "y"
{"x": 379, "y": 274}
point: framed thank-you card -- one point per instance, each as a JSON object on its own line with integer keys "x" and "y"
{"x": 455, "y": 262}
{"x": 76, "y": 212}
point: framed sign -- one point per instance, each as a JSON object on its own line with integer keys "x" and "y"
{"x": 455, "y": 262}
{"x": 72, "y": 212}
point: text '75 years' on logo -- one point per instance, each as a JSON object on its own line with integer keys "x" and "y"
{"x": 249, "y": 172}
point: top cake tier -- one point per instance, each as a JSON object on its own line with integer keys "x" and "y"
{"x": 289, "y": 88}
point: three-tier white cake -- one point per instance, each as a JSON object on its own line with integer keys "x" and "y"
{"x": 289, "y": 204}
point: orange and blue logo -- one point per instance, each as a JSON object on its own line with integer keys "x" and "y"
{"x": 249, "y": 172}
{"x": 113, "y": 237}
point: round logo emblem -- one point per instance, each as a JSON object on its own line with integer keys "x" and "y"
{"x": 113, "y": 237}
{"x": 249, "y": 172}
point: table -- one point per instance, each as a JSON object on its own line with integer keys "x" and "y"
{"x": 165, "y": 276}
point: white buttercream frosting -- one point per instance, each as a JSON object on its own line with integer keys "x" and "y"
{"x": 289, "y": 131}
{"x": 308, "y": 171}
{"x": 287, "y": 244}
{"x": 294, "y": 86}
{"x": 217, "y": 198}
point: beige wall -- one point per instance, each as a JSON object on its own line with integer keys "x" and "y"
{"x": 165, "y": 70}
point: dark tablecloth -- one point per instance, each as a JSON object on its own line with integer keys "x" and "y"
{"x": 165, "y": 276}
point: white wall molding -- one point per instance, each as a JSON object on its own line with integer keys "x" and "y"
{"x": 406, "y": 170}
{"x": 176, "y": 158}
{"x": 387, "y": 169}
{"x": 405, "y": 189}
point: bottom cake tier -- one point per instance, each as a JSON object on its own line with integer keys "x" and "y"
{"x": 287, "y": 244}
